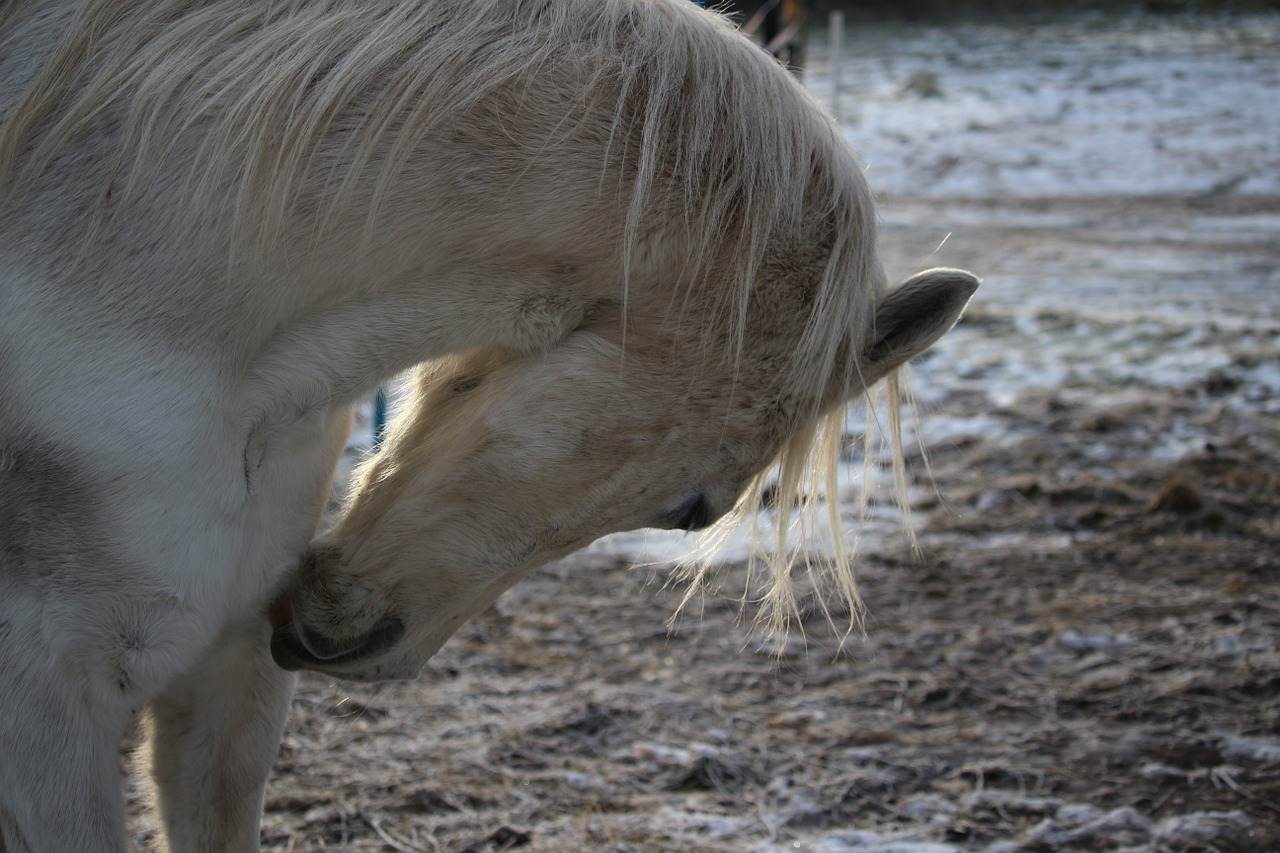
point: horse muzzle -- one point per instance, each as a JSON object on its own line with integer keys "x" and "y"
{"x": 294, "y": 646}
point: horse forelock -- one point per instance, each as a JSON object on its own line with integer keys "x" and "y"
{"x": 798, "y": 178}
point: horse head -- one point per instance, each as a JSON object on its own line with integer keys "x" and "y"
{"x": 505, "y": 462}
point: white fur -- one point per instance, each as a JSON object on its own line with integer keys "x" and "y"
{"x": 637, "y": 263}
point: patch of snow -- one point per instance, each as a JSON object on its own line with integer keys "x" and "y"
{"x": 1132, "y": 109}
{"x": 1122, "y": 826}
{"x": 1265, "y": 750}
{"x": 1203, "y": 827}
{"x": 861, "y": 842}
{"x": 1094, "y": 642}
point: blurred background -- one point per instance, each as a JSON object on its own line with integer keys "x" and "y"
{"x": 919, "y": 10}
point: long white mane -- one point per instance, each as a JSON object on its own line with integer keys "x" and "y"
{"x": 309, "y": 109}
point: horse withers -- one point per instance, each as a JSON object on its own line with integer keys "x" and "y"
{"x": 634, "y": 261}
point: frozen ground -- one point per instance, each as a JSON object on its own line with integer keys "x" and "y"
{"x": 1086, "y": 658}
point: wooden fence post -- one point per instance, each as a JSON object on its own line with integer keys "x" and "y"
{"x": 837, "y": 46}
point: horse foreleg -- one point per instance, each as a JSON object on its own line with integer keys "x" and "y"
{"x": 59, "y": 756}
{"x": 212, "y": 737}
{"x": 213, "y": 733}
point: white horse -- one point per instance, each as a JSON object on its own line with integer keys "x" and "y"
{"x": 636, "y": 260}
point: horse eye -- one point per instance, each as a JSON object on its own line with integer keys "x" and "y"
{"x": 694, "y": 513}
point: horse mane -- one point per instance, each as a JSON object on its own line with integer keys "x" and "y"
{"x": 700, "y": 129}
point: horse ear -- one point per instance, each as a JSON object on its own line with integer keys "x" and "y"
{"x": 914, "y": 315}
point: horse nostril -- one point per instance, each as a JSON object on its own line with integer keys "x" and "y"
{"x": 382, "y": 636}
{"x": 694, "y": 513}
{"x": 292, "y": 652}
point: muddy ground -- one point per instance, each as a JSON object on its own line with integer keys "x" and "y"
{"x": 1084, "y": 657}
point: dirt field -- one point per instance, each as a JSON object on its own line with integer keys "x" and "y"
{"x": 1086, "y": 657}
